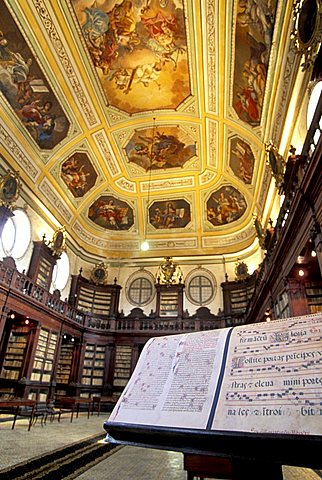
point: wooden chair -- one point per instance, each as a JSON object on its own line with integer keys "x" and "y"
{"x": 51, "y": 412}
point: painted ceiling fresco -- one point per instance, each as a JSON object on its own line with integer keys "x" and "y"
{"x": 78, "y": 174}
{"x": 143, "y": 118}
{"x": 157, "y": 148}
{"x": 139, "y": 50}
{"x": 25, "y": 87}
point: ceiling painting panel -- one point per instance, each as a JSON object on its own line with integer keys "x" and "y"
{"x": 139, "y": 50}
{"x": 26, "y": 89}
{"x": 111, "y": 213}
{"x": 225, "y": 205}
{"x": 160, "y": 148}
{"x": 78, "y": 174}
{"x": 169, "y": 214}
{"x": 241, "y": 160}
{"x": 253, "y": 40}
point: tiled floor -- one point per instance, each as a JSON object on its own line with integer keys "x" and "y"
{"x": 128, "y": 463}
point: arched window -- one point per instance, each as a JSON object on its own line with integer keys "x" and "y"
{"x": 16, "y": 235}
{"x": 61, "y": 272}
{"x": 201, "y": 287}
{"x": 313, "y": 101}
{"x": 140, "y": 288}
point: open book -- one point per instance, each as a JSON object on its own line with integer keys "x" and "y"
{"x": 259, "y": 378}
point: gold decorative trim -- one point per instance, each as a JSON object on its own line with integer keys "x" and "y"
{"x": 307, "y": 32}
{"x": 99, "y": 274}
{"x": 9, "y": 188}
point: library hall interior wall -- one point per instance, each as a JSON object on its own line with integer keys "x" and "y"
{"x": 218, "y": 266}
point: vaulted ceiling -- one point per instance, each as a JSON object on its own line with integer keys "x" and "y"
{"x": 146, "y": 118}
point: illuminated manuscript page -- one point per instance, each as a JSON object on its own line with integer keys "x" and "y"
{"x": 174, "y": 382}
{"x": 273, "y": 378}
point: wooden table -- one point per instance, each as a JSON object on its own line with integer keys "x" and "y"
{"x": 104, "y": 399}
{"x": 74, "y": 403}
{"x": 13, "y": 406}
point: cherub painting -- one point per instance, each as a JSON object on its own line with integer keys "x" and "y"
{"x": 25, "y": 87}
{"x": 139, "y": 50}
{"x": 241, "y": 160}
{"x": 78, "y": 174}
{"x": 111, "y": 213}
{"x": 224, "y": 206}
{"x": 169, "y": 214}
{"x": 160, "y": 148}
{"x": 254, "y": 30}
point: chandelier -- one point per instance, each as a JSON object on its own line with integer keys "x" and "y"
{"x": 145, "y": 244}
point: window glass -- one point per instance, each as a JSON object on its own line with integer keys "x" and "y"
{"x": 61, "y": 272}
{"x": 314, "y": 98}
{"x": 201, "y": 287}
{"x": 16, "y": 235}
{"x": 140, "y": 288}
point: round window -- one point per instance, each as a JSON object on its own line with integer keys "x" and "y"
{"x": 140, "y": 290}
{"x": 201, "y": 287}
{"x": 313, "y": 101}
{"x": 61, "y": 272}
{"x": 16, "y": 235}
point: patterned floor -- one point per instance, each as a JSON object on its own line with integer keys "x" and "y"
{"x": 128, "y": 463}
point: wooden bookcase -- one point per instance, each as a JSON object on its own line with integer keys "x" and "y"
{"x": 14, "y": 358}
{"x": 237, "y": 294}
{"x": 122, "y": 366}
{"x": 94, "y": 365}
{"x": 169, "y": 300}
{"x": 96, "y": 300}
{"x": 42, "y": 265}
{"x": 314, "y": 296}
{"x": 43, "y": 365}
{"x": 65, "y": 360}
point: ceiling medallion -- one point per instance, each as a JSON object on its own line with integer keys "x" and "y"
{"x": 58, "y": 243}
{"x": 9, "y": 189}
{"x": 307, "y": 33}
{"x": 241, "y": 270}
{"x": 99, "y": 274}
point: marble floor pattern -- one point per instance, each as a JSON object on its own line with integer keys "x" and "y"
{"x": 127, "y": 463}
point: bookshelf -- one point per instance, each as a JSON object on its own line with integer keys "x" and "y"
{"x": 237, "y": 294}
{"x": 42, "y": 264}
{"x": 169, "y": 304}
{"x": 94, "y": 299}
{"x": 94, "y": 365}
{"x": 91, "y": 300}
{"x": 281, "y": 306}
{"x": 122, "y": 366}
{"x": 169, "y": 300}
{"x": 44, "y": 356}
{"x": 15, "y": 354}
{"x": 65, "y": 360}
{"x": 314, "y": 296}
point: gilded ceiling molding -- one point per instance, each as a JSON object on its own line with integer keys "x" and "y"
{"x": 103, "y": 145}
{"x": 126, "y": 185}
{"x": 207, "y": 176}
{"x": 117, "y": 245}
{"x": 233, "y": 239}
{"x": 212, "y": 134}
{"x": 264, "y": 187}
{"x": 157, "y": 185}
{"x": 67, "y": 64}
{"x": 211, "y": 70}
{"x": 177, "y": 244}
{"x": 16, "y": 152}
{"x": 289, "y": 73}
{"x": 51, "y": 195}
